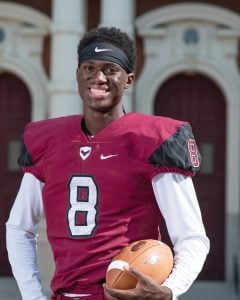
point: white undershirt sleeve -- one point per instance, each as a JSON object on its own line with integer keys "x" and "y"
{"x": 176, "y": 198}
{"x": 21, "y": 238}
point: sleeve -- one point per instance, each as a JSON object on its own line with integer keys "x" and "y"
{"x": 178, "y": 153}
{"x": 177, "y": 201}
{"x": 35, "y": 144}
{"x": 25, "y": 158}
{"x": 21, "y": 234}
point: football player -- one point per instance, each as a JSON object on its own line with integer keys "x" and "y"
{"x": 105, "y": 179}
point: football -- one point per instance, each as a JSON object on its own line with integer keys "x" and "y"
{"x": 151, "y": 257}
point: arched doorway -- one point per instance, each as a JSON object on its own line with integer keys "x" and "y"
{"x": 199, "y": 101}
{"x": 15, "y": 110}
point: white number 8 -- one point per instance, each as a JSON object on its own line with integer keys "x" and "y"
{"x": 87, "y": 207}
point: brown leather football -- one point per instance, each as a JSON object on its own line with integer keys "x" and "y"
{"x": 151, "y": 257}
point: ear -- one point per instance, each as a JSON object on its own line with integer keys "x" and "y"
{"x": 130, "y": 80}
{"x": 77, "y": 70}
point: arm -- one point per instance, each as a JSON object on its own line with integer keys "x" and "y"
{"x": 178, "y": 203}
{"x": 21, "y": 238}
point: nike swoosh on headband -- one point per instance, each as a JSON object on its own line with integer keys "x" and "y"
{"x": 101, "y": 50}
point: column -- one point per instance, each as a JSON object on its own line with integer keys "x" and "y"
{"x": 120, "y": 14}
{"x": 68, "y": 26}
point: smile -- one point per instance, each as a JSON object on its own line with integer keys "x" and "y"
{"x": 98, "y": 92}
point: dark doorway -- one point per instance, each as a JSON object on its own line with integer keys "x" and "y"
{"x": 198, "y": 100}
{"x": 15, "y": 110}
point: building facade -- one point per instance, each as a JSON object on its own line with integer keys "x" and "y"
{"x": 188, "y": 68}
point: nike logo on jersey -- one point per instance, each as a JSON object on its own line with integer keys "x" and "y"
{"x": 107, "y": 156}
{"x": 101, "y": 50}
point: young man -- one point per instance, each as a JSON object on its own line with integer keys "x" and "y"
{"x": 105, "y": 179}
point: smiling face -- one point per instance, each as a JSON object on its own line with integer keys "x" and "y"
{"x": 101, "y": 85}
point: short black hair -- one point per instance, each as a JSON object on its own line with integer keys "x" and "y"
{"x": 113, "y": 36}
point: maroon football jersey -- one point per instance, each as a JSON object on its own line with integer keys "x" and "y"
{"x": 98, "y": 195}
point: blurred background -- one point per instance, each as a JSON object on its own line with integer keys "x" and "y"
{"x": 188, "y": 68}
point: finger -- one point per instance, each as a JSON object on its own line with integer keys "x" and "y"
{"x": 109, "y": 297}
{"x": 116, "y": 293}
{"x": 107, "y": 294}
{"x": 138, "y": 275}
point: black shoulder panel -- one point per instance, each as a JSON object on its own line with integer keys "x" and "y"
{"x": 178, "y": 151}
{"x": 25, "y": 159}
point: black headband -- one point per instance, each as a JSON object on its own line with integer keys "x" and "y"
{"x": 104, "y": 51}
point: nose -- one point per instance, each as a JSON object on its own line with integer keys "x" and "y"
{"x": 100, "y": 76}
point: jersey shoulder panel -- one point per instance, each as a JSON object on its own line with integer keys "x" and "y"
{"x": 150, "y": 129}
{"x": 40, "y": 136}
{"x": 153, "y": 127}
{"x": 178, "y": 151}
{"x": 171, "y": 143}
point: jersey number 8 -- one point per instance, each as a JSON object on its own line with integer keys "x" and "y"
{"x": 82, "y": 207}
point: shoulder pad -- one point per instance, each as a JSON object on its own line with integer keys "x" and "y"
{"x": 178, "y": 151}
{"x": 24, "y": 159}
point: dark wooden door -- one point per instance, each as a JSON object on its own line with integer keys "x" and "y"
{"x": 15, "y": 107}
{"x": 199, "y": 101}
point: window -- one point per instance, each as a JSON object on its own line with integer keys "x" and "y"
{"x": 207, "y": 152}
{"x": 14, "y": 148}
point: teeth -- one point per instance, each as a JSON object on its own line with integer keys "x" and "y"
{"x": 98, "y": 91}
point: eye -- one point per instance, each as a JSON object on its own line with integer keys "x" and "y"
{"x": 88, "y": 68}
{"x": 111, "y": 70}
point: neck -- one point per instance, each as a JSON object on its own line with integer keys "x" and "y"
{"x": 95, "y": 122}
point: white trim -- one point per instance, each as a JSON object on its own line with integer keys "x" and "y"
{"x": 23, "y": 14}
{"x": 36, "y": 84}
{"x": 21, "y": 51}
{"x": 188, "y": 11}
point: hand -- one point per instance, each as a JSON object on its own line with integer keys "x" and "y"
{"x": 146, "y": 289}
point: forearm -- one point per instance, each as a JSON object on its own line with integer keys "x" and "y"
{"x": 21, "y": 246}
{"x": 21, "y": 235}
{"x": 178, "y": 203}
{"x": 189, "y": 257}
